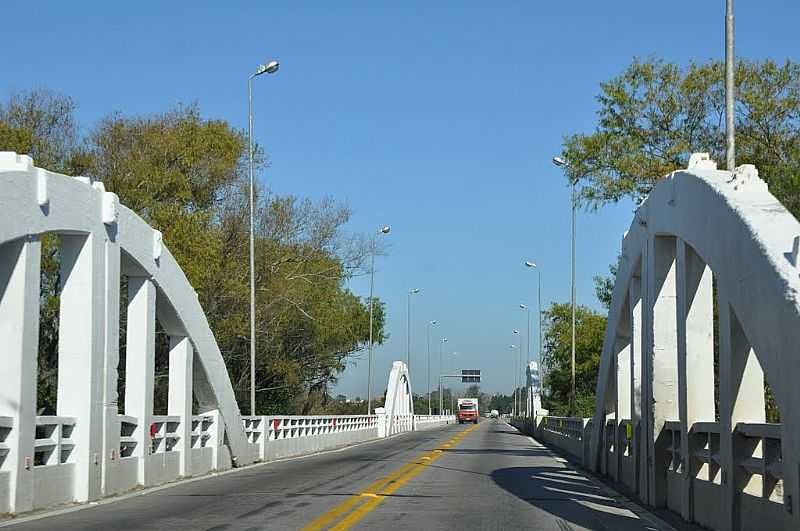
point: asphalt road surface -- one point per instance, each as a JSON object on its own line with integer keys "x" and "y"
{"x": 460, "y": 477}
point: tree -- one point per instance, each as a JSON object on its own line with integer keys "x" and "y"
{"x": 184, "y": 174}
{"x": 604, "y": 287}
{"x": 557, "y": 357}
{"x": 655, "y": 114}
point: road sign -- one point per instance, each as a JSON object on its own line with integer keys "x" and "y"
{"x": 470, "y": 376}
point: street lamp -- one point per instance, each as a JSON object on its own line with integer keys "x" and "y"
{"x": 517, "y": 375}
{"x": 558, "y": 161}
{"x": 533, "y": 265}
{"x": 382, "y": 231}
{"x": 408, "y": 328}
{"x": 528, "y": 352}
{"x": 268, "y": 68}
{"x": 514, "y": 394}
{"x": 428, "y": 327}
{"x": 441, "y": 343}
{"x": 452, "y": 402}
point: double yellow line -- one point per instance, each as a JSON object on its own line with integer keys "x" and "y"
{"x": 356, "y": 507}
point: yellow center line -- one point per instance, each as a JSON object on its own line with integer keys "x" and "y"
{"x": 352, "y": 510}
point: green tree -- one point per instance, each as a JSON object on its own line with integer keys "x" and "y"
{"x": 655, "y": 114}
{"x": 184, "y": 174}
{"x": 557, "y": 357}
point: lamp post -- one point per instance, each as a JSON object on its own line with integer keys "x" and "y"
{"x": 269, "y": 67}
{"x": 441, "y": 387}
{"x": 383, "y": 230}
{"x": 558, "y": 161}
{"x": 514, "y": 394}
{"x": 539, "y": 293}
{"x": 527, "y": 353}
{"x": 428, "y": 327}
{"x": 516, "y": 372}
{"x": 730, "y": 153}
{"x": 452, "y": 401}
{"x": 408, "y": 327}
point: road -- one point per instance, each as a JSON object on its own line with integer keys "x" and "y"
{"x": 460, "y": 477}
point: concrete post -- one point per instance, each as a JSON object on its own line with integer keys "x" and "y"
{"x": 19, "y": 327}
{"x": 81, "y": 346}
{"x": 180, "y": 396}
{"x": 637, "y": 375}
{"x": 111, "y": 424}
{"x": 140, "y": 364}
{"x": 663, "y": 378}
{"x": 695, "y": 320}
{"x": 381, "y": 414}
{"x": 741, "y": 399}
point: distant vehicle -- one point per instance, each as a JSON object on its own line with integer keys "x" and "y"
{"x": 494, "y": 414}
{"x": 467, "y": 410}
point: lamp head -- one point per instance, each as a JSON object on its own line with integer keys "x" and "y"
{"x": 415, "y": 290}
{"x": 528, "y": 263}
{"x": 558, "y": 161}
{"x": 523, "y": 307}
{"x": 384, "y": 230}
{"x": 270, "y": 67}
{"x": 516, "y": 331}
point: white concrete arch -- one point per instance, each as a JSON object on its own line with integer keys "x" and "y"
{"x": 101, "y": 240}
{"x": 657, "y": 368}
{"x": 399, "y": 405}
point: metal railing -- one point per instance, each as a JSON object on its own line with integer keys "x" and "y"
{"x": 567, "y": 426}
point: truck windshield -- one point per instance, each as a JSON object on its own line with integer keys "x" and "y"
{"x": 467, "y": 407}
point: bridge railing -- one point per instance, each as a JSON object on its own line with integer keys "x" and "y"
{"x": 422, "y": 422}
{"x": 695, "y": 469}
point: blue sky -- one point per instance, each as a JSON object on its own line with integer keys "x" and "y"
{"x": 438, "y": 118}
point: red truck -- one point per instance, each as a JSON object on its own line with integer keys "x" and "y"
{"x": 467, "y": 410}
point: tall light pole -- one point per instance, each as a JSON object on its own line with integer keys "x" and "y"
{"x": 383, "y": 230}
{"x": 539, "y": 293}
{"x": 558, "y": 161}
{"x": 729, "y": 88}
{"x": 528, "y": 353}
{"x": 408, "y": 329}
{"x": 514, "y": 394}
{"x": 430, "y": 324}
{"x": 441, "y": 387}
{"x": 517, "y": 378}
{"x": 452, "y": 402}
{"x": 270, "y": 67}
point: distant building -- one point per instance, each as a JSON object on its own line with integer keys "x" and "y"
{"x": 341, "y": 398}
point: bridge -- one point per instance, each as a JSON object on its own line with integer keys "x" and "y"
{"x": 708, "y": 270}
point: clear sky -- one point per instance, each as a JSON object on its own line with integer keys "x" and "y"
{"x": 437, "y": 118}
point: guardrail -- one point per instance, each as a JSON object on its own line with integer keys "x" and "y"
{"x": 695, "y": 470}
{"x": 162, "y": 449}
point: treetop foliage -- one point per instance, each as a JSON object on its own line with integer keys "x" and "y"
{"x": 186, "y": 176}
{"x": 655, "y": 114}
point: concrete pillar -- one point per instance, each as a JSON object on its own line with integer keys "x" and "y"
{"x": 181, "y": 354}
{"x": 741, "y": 399}
{"x": 662, "y": 401}
{"x": 637, "y": 376}
{"x": 19, "y": 327}
{"x": 111, "y": 424}
{"x": 81, "y": 349}
{"x": 695, "y": 320}
{"x": 140, "y": 364}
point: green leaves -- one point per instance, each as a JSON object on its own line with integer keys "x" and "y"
{"x": 557, "y": 357}
{"x": 186, "y": 175}
{"x": 655, "y": 114}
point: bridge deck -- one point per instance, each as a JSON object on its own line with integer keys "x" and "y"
{"x": 477, "y": 477}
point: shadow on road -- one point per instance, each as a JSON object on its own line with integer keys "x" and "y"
{"x": 568, "y": 495}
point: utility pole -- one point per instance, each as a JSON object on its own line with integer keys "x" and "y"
{"x": 729, "y": 88}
